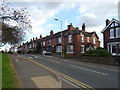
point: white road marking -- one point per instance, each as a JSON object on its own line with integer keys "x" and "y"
{"x": 69, "y": 82}
{"x": 89, "y": 70}
{"x": 53, "y": 61}
{"x": 16, "y": 60}
{"x": 36, "y": 57}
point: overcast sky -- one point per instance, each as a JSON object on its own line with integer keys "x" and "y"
{"x": 92, "y": 13}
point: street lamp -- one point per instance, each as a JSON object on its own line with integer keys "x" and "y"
{"x": 61, "y": 34}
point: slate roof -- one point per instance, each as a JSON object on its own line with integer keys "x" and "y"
{"x": 67, "y": 32}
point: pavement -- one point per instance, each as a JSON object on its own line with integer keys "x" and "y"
{"x": 32, "y": 75}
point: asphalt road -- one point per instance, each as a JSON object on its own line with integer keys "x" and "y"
{"x": 94, "y": 75}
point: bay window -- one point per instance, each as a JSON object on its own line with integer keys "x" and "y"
{"x": 69, "y": 38}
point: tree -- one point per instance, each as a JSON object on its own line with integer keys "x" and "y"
{"x": 14, "y": 23}
{"x": 38, "y": 47}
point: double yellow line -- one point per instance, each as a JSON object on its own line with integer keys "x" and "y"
{"x": 78, "y": 83}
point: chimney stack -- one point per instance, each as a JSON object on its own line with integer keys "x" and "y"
{"x": 107, "y": 22}
{"x": 77, "y": 28}
{"x": 36, "y": 38}
{"x": 70, "y": 27}
{"x": 83, "y": 27}
{"x": 33, "y": 39}
{"x": 40, "y": 37}
{"x": 51, "y": 32}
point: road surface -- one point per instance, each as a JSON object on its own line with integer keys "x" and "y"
{"x": 86, "y": 75}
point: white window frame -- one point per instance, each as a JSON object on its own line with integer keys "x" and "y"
{"x": 83, "y": 49}
{"x": 117, "y": 30}
{"x": 112, "y": 32}
{"x": 69, "y": 38}
{"x": 94, "y": 40}
{"x": 59, "y": 40}
{"x": 88, "y": 39}
{"x": 82, "y": 38}
{"x": 43, "y": 43}
{"x": 58, "y": 48}
{"x": 71, "y": 46}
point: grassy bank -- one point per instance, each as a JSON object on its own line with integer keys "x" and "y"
{"x": 9, "y": 78}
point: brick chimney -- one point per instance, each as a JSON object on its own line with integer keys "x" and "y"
{"x": 40, "y": 37}
{"x": 70, "y": 27}
{"x": 36, "y": 38}
{"x": 83, "y": 27}
{"x": 107, "y": 22}
{"x": 33, "y": 39}
{"x": 51, "y": 32}
{"x": 77, "y": 28}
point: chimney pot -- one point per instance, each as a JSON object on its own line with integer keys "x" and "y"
{"x": 51, "y": 32}
{"x": 83, "y": 27}
{"x": 70, "y": 27}
{"x": 40, "y": 37}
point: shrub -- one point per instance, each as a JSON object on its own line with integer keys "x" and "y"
{"x": 100, "y": 52}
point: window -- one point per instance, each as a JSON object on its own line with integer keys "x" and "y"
{"x": 113, "y": 48}
{"x": 49, "y": 42}
{"x": 69, "y": 49}
{"x": 94, "y": 40}
{"x": 82, "y": 39}
{"x": 112, "y": 25}
{"x": 43, "y": 43}
{"x": 58, "y": 49}
{"x": 82, "y": 48}
{"x": 117, "y": 32}
{"x": 88, "y": 39}
{"x": 69, "y": 38}
{"x": 59, "y": 40}
{"x": 111, "y": 33}
{"x": 116, "y": 24}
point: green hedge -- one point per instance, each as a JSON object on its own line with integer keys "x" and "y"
{"x": 100, "y": 52}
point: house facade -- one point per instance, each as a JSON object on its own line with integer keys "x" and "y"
{"x": 73, "y": 42}
{"x": 111, "y": 36}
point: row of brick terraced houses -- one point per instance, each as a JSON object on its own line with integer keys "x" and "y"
{"x": 74, "y": 42}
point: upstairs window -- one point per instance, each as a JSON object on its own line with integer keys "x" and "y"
{"x": 112, "y": 25}
{"x": 82, "y": 38}
{"x": 94, "y": 40}
{"x": 69, "y": 38}
{"x": 117, "y": 32}
{"x": 111, "y": 33}
{"x": 43, "y": 43}
{"x": 59, "y": 40}
{"x": 49, "y": 42}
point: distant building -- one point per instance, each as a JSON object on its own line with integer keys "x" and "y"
{"x": 111, "y": 36}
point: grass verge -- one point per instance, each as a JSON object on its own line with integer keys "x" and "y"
{"x": 9, "y": 77}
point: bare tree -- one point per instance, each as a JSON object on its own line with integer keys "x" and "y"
{"x": 13, "y": 23}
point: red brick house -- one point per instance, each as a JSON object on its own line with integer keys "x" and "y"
{"x": 73, "y": 42}
{"x": 111, "y": 36}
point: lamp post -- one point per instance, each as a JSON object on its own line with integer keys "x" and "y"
{"x": 61, "y": 33}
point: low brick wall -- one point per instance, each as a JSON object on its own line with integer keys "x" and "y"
{"x": 101, "y": 60}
